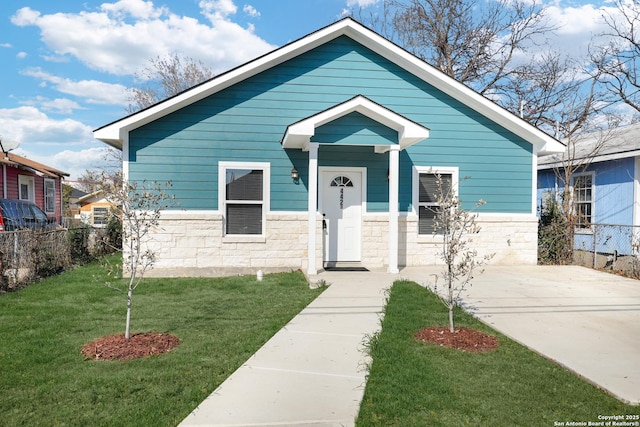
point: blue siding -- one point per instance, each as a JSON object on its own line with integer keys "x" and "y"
{"x": 246, "y": 122}
{"x": 613, "y": 195}
{"x": 355, "y": 129}
{"x": 614, "y": 191}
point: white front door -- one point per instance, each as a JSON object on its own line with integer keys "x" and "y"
{"x": 342, "y": 210}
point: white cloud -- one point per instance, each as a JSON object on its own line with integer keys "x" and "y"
{"x": 75, "y": 163}
{"x": 361, "y": 3}
{"x": 122, "y": 36}
{"x": 7, "y": 45}
{"x": 39, "y": 135}
{"x": 22, "y": 55}
{"x": 250, "y": 10}
{"x": 135, "y": 8}
{"x": 215, "y": 10}
{"x": 576, "y": 28}
{"x": 58, "y": 105}
{"x": 93, "y": 91}
{"x": 30, "y": 126}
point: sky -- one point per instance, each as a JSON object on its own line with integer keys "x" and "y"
{"x": 65, "y": 65}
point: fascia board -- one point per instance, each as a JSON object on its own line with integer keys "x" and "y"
{"x": 114, "y": 132}
{"x": 540, "y": 140}
{"x": 596, "y": 159}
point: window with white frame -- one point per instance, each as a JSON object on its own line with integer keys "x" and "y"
{"x": 50, "y": 196}
{"x": 426, "y": 187}
{"x": 244, "y": 196}
{"x": 583, "y": 199}
{"x": 26, "y": 188}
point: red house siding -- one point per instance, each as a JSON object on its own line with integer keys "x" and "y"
{"x": 12, "y": 188}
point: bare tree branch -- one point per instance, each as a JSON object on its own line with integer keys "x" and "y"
{"x": 166, "y": 77}
{"x": 618, "y": 60}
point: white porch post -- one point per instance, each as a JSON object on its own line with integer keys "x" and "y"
{"x": 394, "y": 162}
{"x": 312, "y": 207}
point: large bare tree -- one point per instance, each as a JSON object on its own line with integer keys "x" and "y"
{"x": 618, "y": 59}
{"x": 478, "y": 44}
{"x": 166, "y": 77}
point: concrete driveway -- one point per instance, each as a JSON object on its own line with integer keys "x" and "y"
{"x": 585, "y": 320}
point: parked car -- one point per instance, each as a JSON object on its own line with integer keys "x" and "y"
{"x": 20, "y": 214}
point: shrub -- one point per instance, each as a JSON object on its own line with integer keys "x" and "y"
{"x": 554, "y": 234}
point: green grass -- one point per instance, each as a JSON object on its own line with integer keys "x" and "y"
{"x": 417, "y": 384}
{"x": 221, "y": 322}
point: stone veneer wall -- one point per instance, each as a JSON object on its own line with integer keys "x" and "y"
{"x": 512, "y": 238}
{"x": 191, "y": 243}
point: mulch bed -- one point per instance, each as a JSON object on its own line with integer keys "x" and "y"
{"x": 462, "y": 339}
{"x": 117, "y": 347}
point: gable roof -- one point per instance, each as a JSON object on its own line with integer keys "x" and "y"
{"x": 12, "y": 159}
{"x": 298, "y": 135}
{"x": 115, "y": 133}
{"x": 618, "y": 143}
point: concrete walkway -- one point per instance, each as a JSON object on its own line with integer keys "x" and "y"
{"x": 312, "y": 372}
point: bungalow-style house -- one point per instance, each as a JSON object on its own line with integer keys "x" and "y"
{"x": 326, "y": 151}
{"x": 26, "y": 179}
{"x": 605, "y": 192}
{"x": 94, "y": 209}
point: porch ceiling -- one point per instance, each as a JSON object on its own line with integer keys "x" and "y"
{"x": 298, "y": 135}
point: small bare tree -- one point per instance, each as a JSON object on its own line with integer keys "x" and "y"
{"x": 138, "y": 205}
{"x": 457, "y": 228}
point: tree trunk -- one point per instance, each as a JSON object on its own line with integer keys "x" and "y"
{"x": 127, "y": 333}
{"x": 451, "y": 303}
{"x": 451, "y": 329}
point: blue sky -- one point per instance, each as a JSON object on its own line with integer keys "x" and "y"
{"x": 65, "y": 65}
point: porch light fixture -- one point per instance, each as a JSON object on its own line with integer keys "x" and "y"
{"x": 294, "y": 174}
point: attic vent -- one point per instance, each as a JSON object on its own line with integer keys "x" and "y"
{"x": 341, "y": 181}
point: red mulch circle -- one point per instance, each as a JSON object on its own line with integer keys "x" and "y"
{"x": 117, "y": 347}
{"x": 462, "y": 339}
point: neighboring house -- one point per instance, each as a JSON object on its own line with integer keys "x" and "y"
{"x": 94, "y": 209}
{"x": 72, "y": 208}
{"x": 607, "y": 191}
{"x": 325, "y": 151}
{"x": 26, "y": 179}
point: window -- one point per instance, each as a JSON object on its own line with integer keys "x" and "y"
{"x": 341, "y": 181}
{"x": 100, "y": 216}
{"x": 425, "y": 195}
{"x": 49, "y": 196}
{"x": 583, "y": 199}
{"x": 244, "y": 194}
{"x": 26, "y": 188}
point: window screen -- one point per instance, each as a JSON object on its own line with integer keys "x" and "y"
{"x": 244, "y": 201}
{"x": 428, "y": 206}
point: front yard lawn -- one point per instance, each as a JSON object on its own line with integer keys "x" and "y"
{"x": 416, "y": 384}
{"x": 45, "y": 381}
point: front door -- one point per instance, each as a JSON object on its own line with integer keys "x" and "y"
{"x": 342, "y": 210}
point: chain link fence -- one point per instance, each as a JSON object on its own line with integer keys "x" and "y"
{"x": 28, "y": 255}
{"x": 609, "y": 246}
